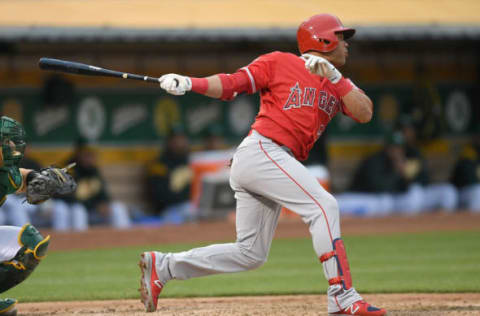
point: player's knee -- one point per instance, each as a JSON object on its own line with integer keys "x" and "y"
{"x": 33, "y": 242}
{"x": 254, "y": 263}
{"x": 252, "y": 258}
{"x": 330, "y": 205}
{"x": 327, "y": 206}
{"x": 34, "y": 249}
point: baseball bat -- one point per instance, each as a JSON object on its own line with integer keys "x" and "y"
{"x": 88, "y": 70}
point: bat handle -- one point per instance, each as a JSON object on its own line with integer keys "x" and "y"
{"x": 127, "y": 75}
{"x": 152, "y": 79}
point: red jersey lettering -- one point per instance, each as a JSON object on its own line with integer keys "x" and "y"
{"x": 294, "y": 98}
{"x": 322, "y": 99}
{"x": 308, "y": 96}
{"x": 331, "y": 106}
{"x": 295, "y": 105}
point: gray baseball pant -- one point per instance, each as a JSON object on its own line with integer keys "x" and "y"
{"x": 265, "y": 176}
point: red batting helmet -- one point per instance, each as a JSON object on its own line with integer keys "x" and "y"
{"x": 318, "y": 33}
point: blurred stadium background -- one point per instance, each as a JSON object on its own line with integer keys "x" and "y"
{"x": 415, "y": 57}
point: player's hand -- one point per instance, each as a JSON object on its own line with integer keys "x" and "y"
{"x": 175, "y": 84}
{"x": 320, "y": 66}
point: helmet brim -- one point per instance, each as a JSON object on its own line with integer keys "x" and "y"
{"x": 347, "y": 32}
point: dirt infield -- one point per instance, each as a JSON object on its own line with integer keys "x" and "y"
{"x": 397, "y": 304}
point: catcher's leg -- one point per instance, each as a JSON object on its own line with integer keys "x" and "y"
{"x": 22, "y": 250}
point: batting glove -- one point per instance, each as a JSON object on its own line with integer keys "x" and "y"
{"x": 320, "y": 66}
{"x": 175, "y": 84}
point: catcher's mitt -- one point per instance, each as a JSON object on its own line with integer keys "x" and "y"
{"x": 43, "y": 184}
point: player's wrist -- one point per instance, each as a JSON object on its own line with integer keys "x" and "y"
{"x": 199, "y": 85}
{"x": 343, "y": 86}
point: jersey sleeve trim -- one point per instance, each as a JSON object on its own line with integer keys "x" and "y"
{"x": 250, "y": 77}
{"x": 12, "y": 182}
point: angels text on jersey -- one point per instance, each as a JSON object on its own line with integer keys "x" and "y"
{"x": 326, "y": 102}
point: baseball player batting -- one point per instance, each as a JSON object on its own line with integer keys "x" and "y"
{"x": 299, "y": 97}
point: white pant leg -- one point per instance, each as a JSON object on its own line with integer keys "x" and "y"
{"x": 442, "y": 196}
{"x": 365, "y": 204}
{"x": 470, "y": 197}
{"x": 9, "y": 242}
{"x": 119, "y": 217}
{"x": 410, "y": 202}
{"x": 79, "y": 217}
